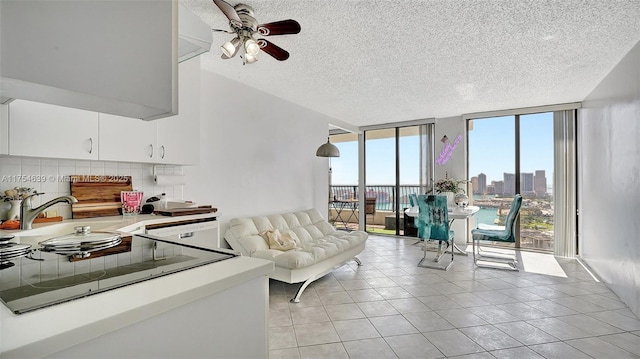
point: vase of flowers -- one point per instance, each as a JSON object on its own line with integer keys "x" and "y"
{"x": 449, "y": 187}
{"x": 14, "y": 197}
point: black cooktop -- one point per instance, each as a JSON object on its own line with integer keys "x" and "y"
{"x": 31, "y": 285}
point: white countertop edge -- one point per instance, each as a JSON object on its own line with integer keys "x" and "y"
{"x": 48, "y": 330}
{"x": 129, "y": 223}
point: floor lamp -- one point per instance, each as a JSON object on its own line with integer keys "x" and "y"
{"x": 328, "y": 150}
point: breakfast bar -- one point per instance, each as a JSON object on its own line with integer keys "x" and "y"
{"x": 200, "y": 311}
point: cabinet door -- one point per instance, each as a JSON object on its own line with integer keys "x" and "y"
{"x": 127, "y": 139}
{"x": 179, "y": 136}
{"x": 106, "y": 56}
{"x": 43, "y": 130}
{"x": 4, "y": 129}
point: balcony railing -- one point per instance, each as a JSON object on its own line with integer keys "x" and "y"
{"x": 385, "y": 194}
{"x": 536, "y": 216}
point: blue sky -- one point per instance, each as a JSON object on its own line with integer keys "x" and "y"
{"x": 491, "y": 151}
{"x": 492, "y": 143}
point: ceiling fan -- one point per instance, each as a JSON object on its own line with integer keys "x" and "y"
{"x": 244, "y": 25}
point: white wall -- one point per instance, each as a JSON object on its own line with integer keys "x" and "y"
{"x": 257, "y": 153}
{"x": 456, "y": 167}
{"x": 609, "y": 171}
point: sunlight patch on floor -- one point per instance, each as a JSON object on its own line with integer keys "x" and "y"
{"x": 530, "y": 262}
{"x": 541, "y": 263}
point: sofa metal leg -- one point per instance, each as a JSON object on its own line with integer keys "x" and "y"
{"x": 296, "y": 298}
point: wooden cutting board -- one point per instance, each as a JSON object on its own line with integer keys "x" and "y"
{"x": 185, "y": 211}
{"x": 98, "y": 196}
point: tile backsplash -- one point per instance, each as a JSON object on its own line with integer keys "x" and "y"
{"x": 50, "y": 176}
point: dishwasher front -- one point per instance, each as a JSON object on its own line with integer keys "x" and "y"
{"x": 204, "y": 233}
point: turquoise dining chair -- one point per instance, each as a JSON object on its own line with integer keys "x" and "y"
{"x": 433, "y": 226}
{"x": 411, "y": 223}
{"x": 413, "y": 199}
{"x": 506, "y": 233}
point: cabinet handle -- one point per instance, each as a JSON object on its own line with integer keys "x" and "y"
{"x": 90, "y": 145}
{"x": 151, "y": 155}
{"x": 162, "y": 148}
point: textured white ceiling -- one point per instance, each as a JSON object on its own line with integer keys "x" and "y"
{"x": 371, "y": 62}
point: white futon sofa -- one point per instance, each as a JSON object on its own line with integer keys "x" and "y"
{"x": 319, "y": 247}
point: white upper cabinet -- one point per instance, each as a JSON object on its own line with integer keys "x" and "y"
{"x": 117, "y": 57}
{"x": 179, "y": 136}
{"x": 42, "y": 130}
{"x": 127, "y": 139}
{"x": 171, "y": 140}
{"x": 4, "y": 130}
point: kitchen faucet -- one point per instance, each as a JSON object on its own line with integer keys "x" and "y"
{"x": 28, "y": 214}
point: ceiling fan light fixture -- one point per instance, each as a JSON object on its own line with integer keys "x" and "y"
{"x": 230, "y": 47}
{"x": 243, "y": 24}
{"x": 251, "y": 47}
{"x": 249, "y": 59}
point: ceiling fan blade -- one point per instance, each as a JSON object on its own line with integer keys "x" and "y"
{"x": 227, "y": 10}
{"x": 276, "y": 52}
{"x": 284, "y": 27}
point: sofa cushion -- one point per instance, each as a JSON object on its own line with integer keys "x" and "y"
{"x": 316, "y": 239}
{"x": 314, "y": 251}
{"x": 269, "y": 254}
{"x": 249, "y": 244}
{"x": 280, "y": 241}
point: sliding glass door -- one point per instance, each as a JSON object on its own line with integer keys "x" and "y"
{"x": 396, "y": 164}
{"x": 492, "y": 167}
{"x": 509, "y": 155}
{"x": 380, "y": 179}
{"x": 536, "y": 164}
{"x": 343, "y": 181}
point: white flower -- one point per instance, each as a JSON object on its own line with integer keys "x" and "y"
{"x": 17, "y": 194}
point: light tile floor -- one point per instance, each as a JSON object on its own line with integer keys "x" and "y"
{"x": 391, "y": 308}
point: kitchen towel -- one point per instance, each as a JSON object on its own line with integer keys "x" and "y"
{"x": 170, "y": 180}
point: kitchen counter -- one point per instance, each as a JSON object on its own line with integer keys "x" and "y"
{"x": 131, "y": 224}
{"x": 152, "y": 307}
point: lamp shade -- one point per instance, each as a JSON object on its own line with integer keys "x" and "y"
{"x": 249, "y": 59}
{"x": 251, "y": 47}
{"x": 230, "y": 47}
{"x": 328, "y": 150}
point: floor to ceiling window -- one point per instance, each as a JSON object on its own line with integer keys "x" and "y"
{"x": 509, "y": 155}
{"x": 536, "y": 185}
{"x": 492, "y": 167}
{"x": 380, "y": 178}
{"x": 396, "y": 164}
{"x": 343, "y": 181}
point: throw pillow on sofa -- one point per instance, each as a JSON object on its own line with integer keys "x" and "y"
{"x": 280, "y": 241}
